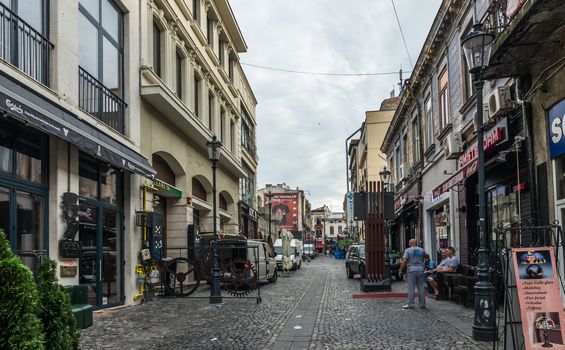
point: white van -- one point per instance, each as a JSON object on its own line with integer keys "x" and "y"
{"x": 295, "y": 253}
{"x": 262, "y": 257}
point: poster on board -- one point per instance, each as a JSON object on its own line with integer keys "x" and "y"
{"x": 540, "y": 298}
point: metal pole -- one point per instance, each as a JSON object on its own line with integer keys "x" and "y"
{"x": 270, "y": 220}
{"x": 483, "y": 327}
{"x": 215, "y": 288}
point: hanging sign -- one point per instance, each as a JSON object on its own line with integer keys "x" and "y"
{"x": 540, "y": 299}
{"x": 556, "y": 131}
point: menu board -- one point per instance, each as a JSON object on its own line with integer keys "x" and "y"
{"x": 540, "y": 299}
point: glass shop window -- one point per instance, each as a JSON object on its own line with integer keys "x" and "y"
{"x": 99, "y": 181}
{"x": 560, "y": 177}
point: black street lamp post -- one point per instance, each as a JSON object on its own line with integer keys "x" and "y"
{"x": 214, "y": 151}
{"x": 270, "y": 213}
{"x": 385, "y": 179}
{"x": 477, "y": 46}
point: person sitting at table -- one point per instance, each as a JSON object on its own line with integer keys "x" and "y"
{"x": 428, "y": 266}
{"x": 447, "y": 265}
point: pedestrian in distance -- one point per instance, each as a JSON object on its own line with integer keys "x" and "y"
{"x": 413, "y": 260}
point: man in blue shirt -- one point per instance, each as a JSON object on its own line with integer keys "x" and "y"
{"x": 414, "y": 259}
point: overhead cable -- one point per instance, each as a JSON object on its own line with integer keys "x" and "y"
{"x": 402, "y": 34}
{"x": 316, "y": 73}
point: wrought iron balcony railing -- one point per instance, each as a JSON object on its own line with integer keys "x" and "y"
{"x": 24, "y": 47}
{"x": 495, "y": 20}
{"x": 101, "y": 102}
{"x": 250, "y": 146}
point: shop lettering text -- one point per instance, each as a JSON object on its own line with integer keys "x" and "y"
{"x": 492, "y": 137}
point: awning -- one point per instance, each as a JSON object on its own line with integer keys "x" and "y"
{"x": 31, "y": 108}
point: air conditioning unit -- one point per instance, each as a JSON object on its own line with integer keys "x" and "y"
{"x": 486, "y": 116}
{"x": 405, "y": 172}
{"x": 500, "y": 101}
{"x": 452, "y": 145}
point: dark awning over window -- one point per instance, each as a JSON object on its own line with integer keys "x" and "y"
{"x": 45, "y": 115}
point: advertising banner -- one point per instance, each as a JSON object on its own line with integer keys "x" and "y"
{"x": 350, "y": 209}
{"x": 285, "y": 210}
{"x": 540, "y": 299}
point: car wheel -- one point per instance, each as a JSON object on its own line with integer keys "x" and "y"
{"x": 350, "y": 273}
{"x": 274, "y": 278}
{"x": 362, "y": 271}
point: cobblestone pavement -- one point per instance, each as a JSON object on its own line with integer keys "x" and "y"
{"x": 312, "y": 309}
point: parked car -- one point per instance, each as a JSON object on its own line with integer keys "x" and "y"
{"x": 310, "y": 250}
{"x": 262, "y": 257}
{"x": 295, "y": 253}
{"x": 355, "y": 260}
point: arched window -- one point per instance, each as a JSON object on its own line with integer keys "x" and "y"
{"x": 164, "y": 171}
{"x": 223, "y": 202}
{"x": 198, "y": 189}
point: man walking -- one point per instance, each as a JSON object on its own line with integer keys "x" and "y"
{"x": 414, "y": 258}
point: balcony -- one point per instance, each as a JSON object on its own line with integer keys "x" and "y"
{"x": 250, "y": 147}
{"x": 24, "y": 47}
{"x": 529, "y": 35}
{"x": 100, "y": 102}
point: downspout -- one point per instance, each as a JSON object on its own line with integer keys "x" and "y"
{"x": 527, "y": 121}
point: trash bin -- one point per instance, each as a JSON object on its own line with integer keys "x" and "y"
{"x": 170, "y": 275}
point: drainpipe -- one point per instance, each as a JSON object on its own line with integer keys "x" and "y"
{"x": 528, "y": 134}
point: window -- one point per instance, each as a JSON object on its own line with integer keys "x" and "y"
{"x": 404, "y": 146}
{"x": 210, "y": 32}
{"x": 211, "y": 108}
{"x": 179, "y": 70}
{"x": 443, "y": 100}
{"x": 231, "y": 63}
{"x": 100, "y": 44}
{"x": 196, "y": 9}
{"x": 232, "y": 136}
{"x": 416, "y": 139}
{"x": 398, "y": 164}
{"x": 222, "y": 52}
{"x": 198, "y": 190}
{"x": 339, "y": 230}
{"x": 99, "y": 181}
{"x": 197, "y": 82}
{"x": 23, "y": 153}
{"x": 429, "y": 121}
{"x": 157, "y": 49}
{"x": 467, "y": 77}
{"x": 222, "y": 123}
{"x": 332, "y": 230}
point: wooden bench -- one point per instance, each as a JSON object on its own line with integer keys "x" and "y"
{"x": 80, "y": 306}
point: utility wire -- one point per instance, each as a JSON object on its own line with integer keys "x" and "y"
{"x": 316, "y": 73}
{"x": 402, "y": 34}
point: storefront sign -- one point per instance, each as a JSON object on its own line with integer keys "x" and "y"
{"x": 540, "y": 299}
{"x": 68, "y": 271}
{"x": 70, "y": 249}
{"x": 166, "y": 190}
{"x": 457, "y": 178}
{"x": 493, "y": 137}
{"x": 556, "y": 132}
{"x": 349, "y": 198}
{"x": 253, "y": 214}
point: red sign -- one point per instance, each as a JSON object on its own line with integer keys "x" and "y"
{"x": 457, "y": 178}
{"x": 540, "y": 298}
{"x": 492, "y": 138}
{"x": 318, "y": 227}
{"x": 284, "y": 208}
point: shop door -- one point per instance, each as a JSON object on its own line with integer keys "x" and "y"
{"x": 99, "y": 268}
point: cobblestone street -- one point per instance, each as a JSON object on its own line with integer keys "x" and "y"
{"x": 312, "y": 309}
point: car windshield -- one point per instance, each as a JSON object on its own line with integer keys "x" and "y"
{"x": 278, "y": 250}
{"x": 362, "y": 251}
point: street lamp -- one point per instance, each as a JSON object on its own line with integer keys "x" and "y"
{"x": 214, "y": 151}
{"x": 385, "y": 177}
{"x": 477, "y": 46}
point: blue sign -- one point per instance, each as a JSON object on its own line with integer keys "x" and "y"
{"x": 556, "y": 131}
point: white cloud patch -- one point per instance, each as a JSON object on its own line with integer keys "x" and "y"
{"x": 303, "y": 121}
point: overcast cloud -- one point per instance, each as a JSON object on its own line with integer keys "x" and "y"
{"x": 303, "y": 120}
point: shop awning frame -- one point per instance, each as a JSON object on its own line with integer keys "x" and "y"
{"x": 31, "y": 108}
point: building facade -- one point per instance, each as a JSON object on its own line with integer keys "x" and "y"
{"x": 107, "y": 124}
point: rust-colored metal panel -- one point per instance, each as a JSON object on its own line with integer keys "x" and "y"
{"x": 375, "y": 232}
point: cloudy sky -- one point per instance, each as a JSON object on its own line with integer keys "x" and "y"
{"x": 303, "y": 120}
